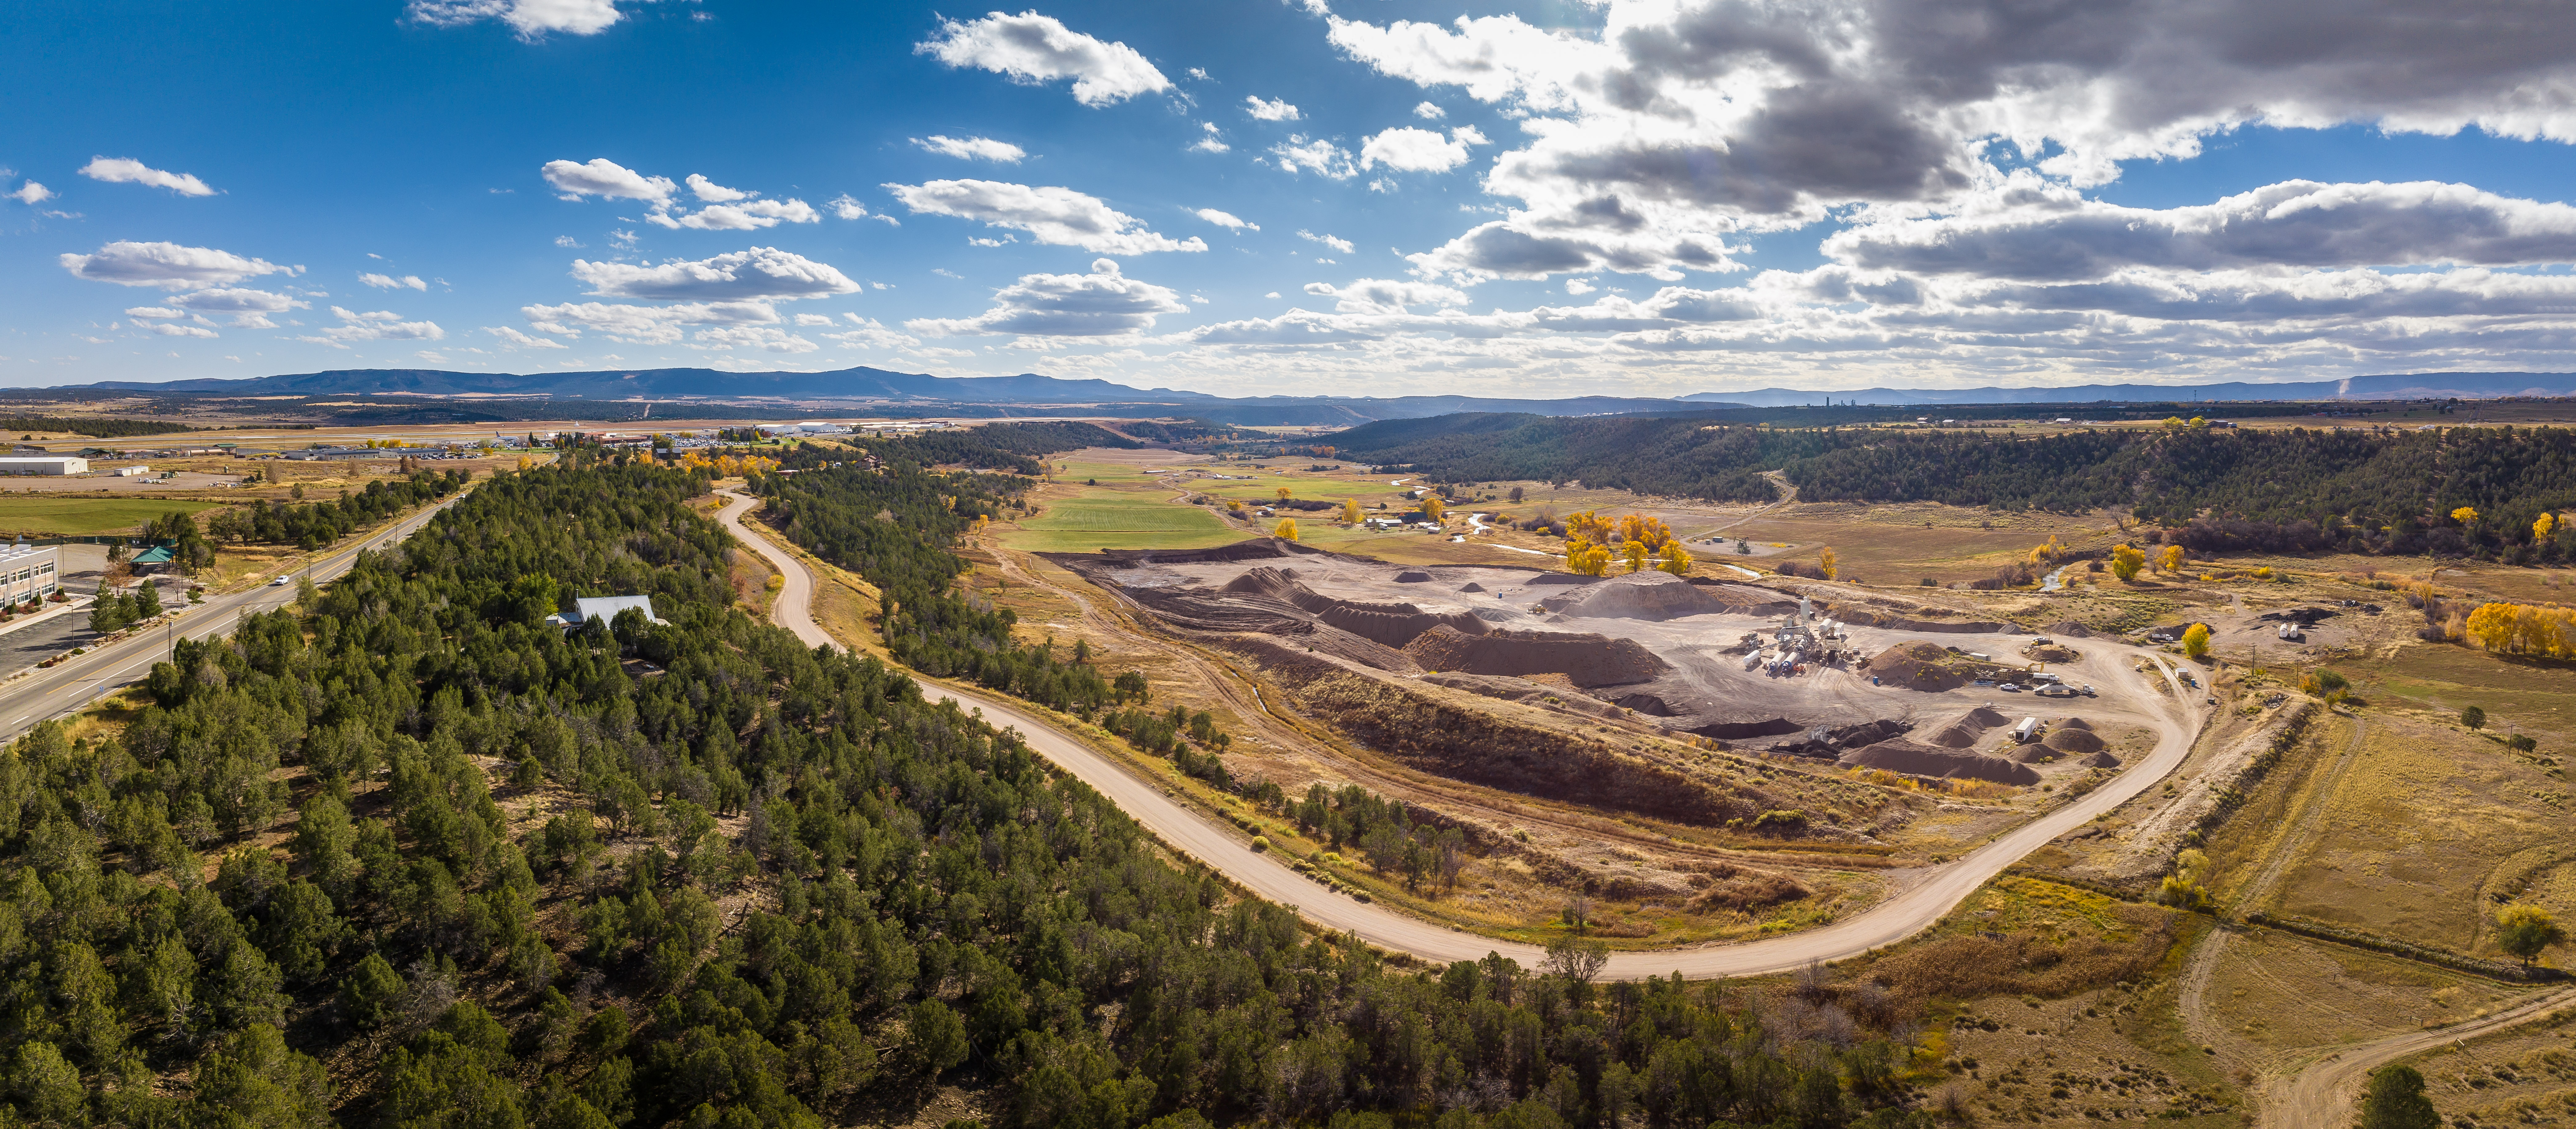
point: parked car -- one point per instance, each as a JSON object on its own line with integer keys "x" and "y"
{"x": 2009, "y": 688}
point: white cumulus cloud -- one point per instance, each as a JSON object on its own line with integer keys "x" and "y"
{"x": 1033, "y": 48}
{"x": 1408, "y": 149}
{"x": 1316, "y": 156}
{"x": 603, "y": 177}
{"x": 170, "y": 265}
{"x": 1060, "y": 216}
{"x": 1429, "y": 111}
{"x": 715, "y": 193}
{"x": 972, "y": 148}
{"x": 757, "y": 273}
{"x": 32, "y": 193}
{"x": 871, "y": 335}
{"x": 1103, "y": 303}
{"x": 1270, "y": 110}
{"x": 126, "y": 170}
{"x": 380, "y": 325}
{"x": 523, "y": 340}
{"x": 1333, "y": 241}
{"x": 644, "y": 325}
{"x": 388, "y": 282}
{"x": 154, "y": 312}
{"x": 1224, "y": 219}
{"x": 174, "y": 329}
{"x": 531, "y": 19}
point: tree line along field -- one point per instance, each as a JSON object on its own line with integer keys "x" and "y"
{"x": 2467, "y": 491}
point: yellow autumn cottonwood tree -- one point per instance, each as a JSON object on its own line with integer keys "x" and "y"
{"x": 2465, "y": 515}
{"x": 1674, "y": 559}
{"x": 2523, "y": 629}
{"x": 2543, "y": 526}
{"x": 1433, "y": 507}
{"x": 1351, "y": 511}
{"x": 1649, "y": 531}
{"x": 2126, "y": 560}
{"x": 1585, "y": 558}
{"x": 1286, "y": 530}
{"x": 1635, "y": 552}
{"x": 2195, "y": 641}
{"x": 1826, "y": 559}
{"x": 1283, "y": 493}
{"x": 2171, "y": 559}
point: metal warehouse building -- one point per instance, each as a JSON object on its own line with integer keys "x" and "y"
{"x": 45, "y": 464}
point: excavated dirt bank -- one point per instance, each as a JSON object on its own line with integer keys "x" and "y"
{"x": 1939, "y": 763}
{"x": 1434, "y": 737}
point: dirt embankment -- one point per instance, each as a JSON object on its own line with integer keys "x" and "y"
{"x": 2207, "y": 797}
{"x": 1938, "y": 763}
{"x": 1462, "y": 745}
{"x": 1585, "y": 660}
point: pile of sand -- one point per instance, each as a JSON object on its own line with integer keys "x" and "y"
{"x": 1965, "y": 730}
{"x": 1915, "y": 666}
{"x": 1472, "y": 586}
{"x": 2075, "y": 742}
{"x": 1585, "y": 660}
{"x": 1412, "y": 576}
{"x": 1638, "y": 595}
{"x": 1944, "y": 764}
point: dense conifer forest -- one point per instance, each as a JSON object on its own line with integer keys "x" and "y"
{"x": 406, "y": 856}
{"x": 2366, "y": 490}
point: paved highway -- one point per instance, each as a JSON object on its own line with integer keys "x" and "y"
{"x": 1268, "y": 876}
{"x": 76, "y": 682}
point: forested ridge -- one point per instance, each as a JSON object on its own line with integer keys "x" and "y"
{"x": 2297, "y": 488}
{"x": 96, "y": 427}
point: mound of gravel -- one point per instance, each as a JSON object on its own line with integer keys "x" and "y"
{"x": 1395, "y": 624}
{"x": 2075, "y": 723}
{"x": 1639, "y": 595}
{"x": 1926, "y": 760}
{"x": 2074, "y": 742}
{"x": 2069, "y": 629}
{"x": 1472, "y": 586}
{"x": 1412, "y": 576}
{"x": 1965, "y": 730}
{"x": 1585, "y": 659}
{"x": 1915, "y": 666}
{"x": 2101, "y": 760}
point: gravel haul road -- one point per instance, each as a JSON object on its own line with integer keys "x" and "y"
{"x": 1268, "y": 876}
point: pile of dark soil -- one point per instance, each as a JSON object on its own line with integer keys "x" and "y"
{"x": 2075, "y": 742}
{"x": 1586, "y": 659}
{"x": 1965, "y": 730}
{"x": 1938, "y": 763}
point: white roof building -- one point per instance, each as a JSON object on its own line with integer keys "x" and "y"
{"x": 602, "y": 608}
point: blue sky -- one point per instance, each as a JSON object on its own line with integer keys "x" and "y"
{"x": 1360, "y": 198}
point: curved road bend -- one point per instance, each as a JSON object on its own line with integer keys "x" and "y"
{"x": 74, "y": 683}
{"x": 1267, "y": 876}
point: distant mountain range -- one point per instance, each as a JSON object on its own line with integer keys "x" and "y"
{"x": 2410, "y": 386}
{"x": 857, "y": 387}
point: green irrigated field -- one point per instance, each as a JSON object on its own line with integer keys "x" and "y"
{"x": 1107, "y": 520}
{"x": 77, "y": 516}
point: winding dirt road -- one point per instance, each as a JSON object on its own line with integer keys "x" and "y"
{"x": 2323, "y": 1095}
{"x": 1269, "y": 877}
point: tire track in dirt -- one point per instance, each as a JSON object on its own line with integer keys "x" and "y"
{"x": 2202, "y": 970}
